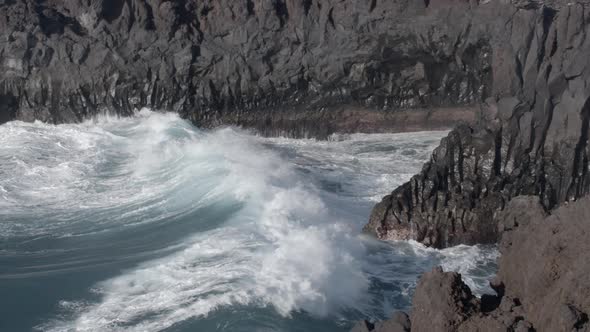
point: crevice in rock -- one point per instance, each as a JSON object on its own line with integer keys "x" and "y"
{"x": 548, "y": 17}
{"x": 498, "y": 154}
{"x": 331, "y": 17}
{"x": 519, "y": 71}
{"x": 206, "y": 9}
{"x": 112, "y": 9}
{"x": 582, "y": 321}
{"x": 250, "y": 7}
{"x": 553, "y": 46}
{"x": 579, "y": 170}
{"x": 281, "y": 11}
{"x": 307, "y": 6}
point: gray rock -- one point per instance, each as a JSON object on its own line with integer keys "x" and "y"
{"x": 531, "y": 137}
{"x": 285, "y": 67}
{"x": 520, "y": 211}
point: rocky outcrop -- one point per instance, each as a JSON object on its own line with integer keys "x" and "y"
{"x": 442, "y": 302}
{"x": 281, "y": 66}
{"x": 531, "y": 137}
{"x": 399, "y": 322}
{"x": 544, "y": 265}
{"x": 542, "y": 282}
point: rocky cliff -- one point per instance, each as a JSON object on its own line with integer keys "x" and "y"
{"x": 542, "y": 282}
{"x": 293, "y": 67}
{"x": 531, "y": 137}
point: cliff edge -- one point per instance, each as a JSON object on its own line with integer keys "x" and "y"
{"x": 531, "y": 137}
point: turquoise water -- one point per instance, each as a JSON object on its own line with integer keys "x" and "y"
{"x": 150, "y": 224}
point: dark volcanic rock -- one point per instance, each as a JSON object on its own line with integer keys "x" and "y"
{"x": 531, "y": 137}
{"x": 542, "y": 281}
{"x": 282, "y": 66}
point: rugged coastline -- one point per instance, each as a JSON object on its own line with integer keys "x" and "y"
{"x": 514, "y": 72}
{"x": 541, "y": 284}
{"x": 531, "y": 139}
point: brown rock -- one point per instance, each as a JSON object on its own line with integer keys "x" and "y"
{"x": 441, "y": 302}
{"x": 542, "y": 278}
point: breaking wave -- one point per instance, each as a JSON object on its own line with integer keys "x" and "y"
{"x": 187, "y": 224}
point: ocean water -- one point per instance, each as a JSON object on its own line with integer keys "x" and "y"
{"x": 150, "y": 224}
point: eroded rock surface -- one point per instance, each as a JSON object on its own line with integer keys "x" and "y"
{"x": 542, "y": 282}
{"x": 283, "y": 66}
{"x": 531, "y": 137}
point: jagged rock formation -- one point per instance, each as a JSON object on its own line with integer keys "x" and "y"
{"x": 282, "y": 66}
{"x": 542, "y": 282}
{"x": 531, "y": 137}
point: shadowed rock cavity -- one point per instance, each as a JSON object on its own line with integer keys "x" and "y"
{"x": 542, "y": 282}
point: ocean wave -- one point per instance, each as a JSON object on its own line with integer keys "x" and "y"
{"x": 229, "y": 219}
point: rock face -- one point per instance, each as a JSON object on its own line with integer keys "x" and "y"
{"x": 544, "y": 264}
{"x": 291, "y": 67}
{"x": 531, "y": 137}
{"x": 441, "y": 302}
{"x": 542, "y": 282}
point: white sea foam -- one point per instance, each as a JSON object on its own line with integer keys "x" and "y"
{"x": 282, "y": 249}
{"x": 472, "y": 262}
{"x": 292, "y": 245}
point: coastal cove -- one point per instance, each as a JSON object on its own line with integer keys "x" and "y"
{"x": 295, "y": 165}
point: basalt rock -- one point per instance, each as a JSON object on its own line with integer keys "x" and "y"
{"x": 542, "y": 282}
{"x": 531, "y": 137}
{"x": 281, "y": 66}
